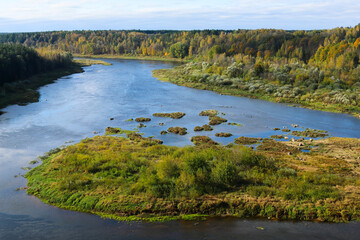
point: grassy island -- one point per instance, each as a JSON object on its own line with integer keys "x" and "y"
{"x": 137, "y": 178}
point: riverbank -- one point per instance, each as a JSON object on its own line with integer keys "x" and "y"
{"x": 25, "y": 91}
{"x": 136, "y": 178}
{"x": 320, "y": 100}
{"x": 132, "y": 57}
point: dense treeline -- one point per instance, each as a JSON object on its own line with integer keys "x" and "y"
{"x": 334, "y": 51}
{"x": 23, "y": 70}
{"x": 306, "y": 67}
{"x": 265, "y": 43}
{"x": 18, "y": 62}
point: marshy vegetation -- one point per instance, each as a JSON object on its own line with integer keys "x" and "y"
{"x": 205, "y": 127}
{"x": 216, "y": 120}
{"x": 136, "y": 178}
{"x": 142, "y": 119}
{"x": 247, "y": 140}
{"x": 313, "y": 133}
{"x": 174, "y": 115}
{"x": 177, "y": 130}
{"x": 222, "y": 134}
{"x": 199, "y": 140}
{"x": 209, "y": 113}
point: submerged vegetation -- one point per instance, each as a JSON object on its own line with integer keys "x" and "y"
{"x": 136, "y": 178}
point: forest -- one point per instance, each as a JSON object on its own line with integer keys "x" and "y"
{"x": 312, "y": 68}
{"x": 335, "y": 51}
{"x": 24, "y": 69}
{"x": 18, "y": 62}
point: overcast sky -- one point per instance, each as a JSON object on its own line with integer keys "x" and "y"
{"x": 47, "y": 15}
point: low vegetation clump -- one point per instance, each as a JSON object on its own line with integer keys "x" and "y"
{"x": 203, "y": 128}
{"x": 277, "y": 136}
{"x": 286, "y": 130}
{"x": 174, "y": 115}
{"x": 209, "y": 113}
{"x": 313, "y": 133}
{"x": 136, "y": 178}
{"x": 163, "y": 132}
{"x": 247, "y": 140}
{"x": 276, "y": 129}
{"x": 277, "y": 147}
{"x": 142, "y": 119}
{"x": 89, "y": 62}
{"x": 198, "y": 140}
{"x": 216, "y": 120}
{"x": 235, "y": 124}
{"x": 112, "y": 130}
{"x": 222, "y": 134}
{"x": 177, "y": 130}
{"x": 207, "y": 127}
{"x": 198, "y": 129}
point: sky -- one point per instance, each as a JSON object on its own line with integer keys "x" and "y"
{"x": 49, "y": 15}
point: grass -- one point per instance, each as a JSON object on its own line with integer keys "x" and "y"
{"x": 137, "y": 179}
{"x": 247, "y": 140}
{"x": 176, "y": 76}
{"x": 174, "y": 115}
{"x": 132, "y": 57}
{"x": 216, "y": 120}
{"x": 199, "y": 140}
{"x": 313, "y": 133}
{"x": 203, "y": 128}
{"x": 89, "y": 62}
{"x": 142, "y": 119}
{"x": 177, "y": 130}
{"x": 222, "y": 134}
{"x": 209, "y": 113}
{"x": 112, "y": 130}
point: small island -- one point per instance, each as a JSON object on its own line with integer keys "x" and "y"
{"x": 136, "y": 178}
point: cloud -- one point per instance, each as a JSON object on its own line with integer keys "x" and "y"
{"x": 185, "y": 14}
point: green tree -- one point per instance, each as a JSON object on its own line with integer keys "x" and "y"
{"x": 179, "y": 50}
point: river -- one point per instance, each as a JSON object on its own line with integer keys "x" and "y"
{"x": 74, "y": 107}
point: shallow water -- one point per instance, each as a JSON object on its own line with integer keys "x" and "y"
{"x": 76, "y": 106}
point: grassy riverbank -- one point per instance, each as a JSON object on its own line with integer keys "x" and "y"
{"x": 324, "y": 100}
{"x": 136, "y": 178}
{"x": 25, "y": 91}
{"x": 132, "y": 57}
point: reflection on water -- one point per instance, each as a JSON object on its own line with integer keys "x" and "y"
{"x": 76, "y": 106}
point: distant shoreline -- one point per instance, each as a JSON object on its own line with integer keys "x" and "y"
{"x": 131, "y": 57}
{"x": 26, "y": 91}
